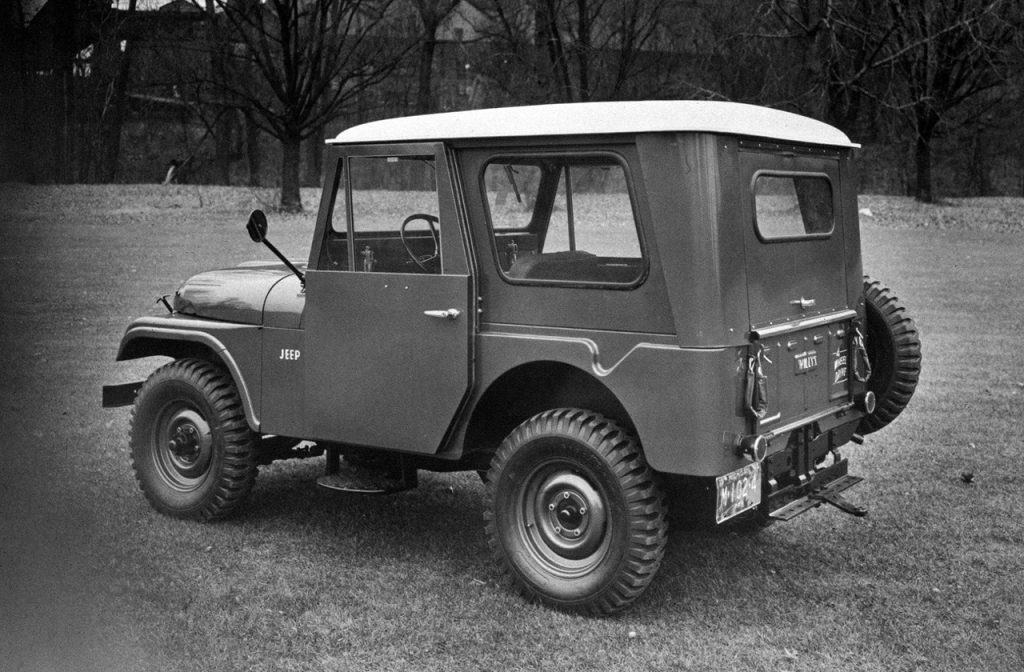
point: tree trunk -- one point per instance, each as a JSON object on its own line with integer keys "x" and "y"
{"x": 926, "y": 121}
{"x": 15, "y": 130}
{"x": 424, "y": 97}
{"x": 1020, "y": 167}
{"x": 314, "y": 157}
{"x": 291, "y": 154}
{"x": 66, "y": 154}
{"x": 65, "y": 111}
{"x": 253, "y": 150}
{"x": 547, "y": 27}
{"x": 583, "y": 49}
{"x": 923, "y": 163}
{"x": 113, "y": 121}
{"x": 979, "y": 182}
{"x": 222, "y": 122}
{"x": 222, "y": 143}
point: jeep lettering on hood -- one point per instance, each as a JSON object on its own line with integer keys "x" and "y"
{"x": 230, "y": 294}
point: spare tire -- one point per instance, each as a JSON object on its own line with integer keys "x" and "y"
{"x": 894, "y": 350}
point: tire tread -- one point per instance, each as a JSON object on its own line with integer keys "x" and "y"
{"x": 645, "y": 504}
{"x": 238, "y": 471}
{"x": 894, "y": 393}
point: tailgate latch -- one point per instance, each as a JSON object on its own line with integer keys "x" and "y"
{"x": 861, "y": 361}
{"x": 757, "y": 384}
{"x": 803, "y": 303}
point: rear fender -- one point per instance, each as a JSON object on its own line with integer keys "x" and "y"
{"x": 235, "y": 346}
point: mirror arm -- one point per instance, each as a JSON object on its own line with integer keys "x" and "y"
{"x": 257, "y": 229}
{"x": 290, "y": 265}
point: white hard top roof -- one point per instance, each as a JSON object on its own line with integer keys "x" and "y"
{"x": 647, "y": 116}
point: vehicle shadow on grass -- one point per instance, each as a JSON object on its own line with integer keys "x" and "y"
{"x": 712, "y": 572}
{"x": 440, "y": 526}
{"x": 440, "y": 520}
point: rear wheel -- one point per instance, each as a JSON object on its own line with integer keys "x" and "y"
{"x": 193, "y": 454}
{"x": 574, "y": 516}
{"x": 894, "y": 350}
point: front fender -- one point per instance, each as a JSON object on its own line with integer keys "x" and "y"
{"x": 236, "y": 346}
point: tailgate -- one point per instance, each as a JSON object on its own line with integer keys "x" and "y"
{"x": 796, "y": 269}
{"x": 805, "y": 365}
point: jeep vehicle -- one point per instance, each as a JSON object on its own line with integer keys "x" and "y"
{"x": 590, "y": 305}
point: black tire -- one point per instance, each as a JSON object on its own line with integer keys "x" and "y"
{"x": 193, "y": 454}
{"x": 574, "y": 517}
{"x": 894, "y": 350}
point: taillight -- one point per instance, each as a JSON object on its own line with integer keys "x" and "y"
{"x": 754, "y": 446}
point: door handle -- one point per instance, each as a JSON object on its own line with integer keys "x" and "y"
{"x": 450, "y": 314}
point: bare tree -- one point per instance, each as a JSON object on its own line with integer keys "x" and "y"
{"x": 823, "y": 52}
{"x": 431, "y": 13}
{"x": 916, "y": 60}
{"x": 941, "y": 54}
{"x": 579, "y": 50}
{"x": 811, "y": 56}
{"x": 218, "y": 49}
{"x": 296, "y": 65}
{"x": 112, "y": 119}
{"x": 14, "y": 133}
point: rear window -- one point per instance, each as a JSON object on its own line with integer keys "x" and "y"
{"x": 793, "y": 206}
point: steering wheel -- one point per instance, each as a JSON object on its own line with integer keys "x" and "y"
{"x": 422, "y": 260}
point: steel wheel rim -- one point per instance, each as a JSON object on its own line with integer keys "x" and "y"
{"x": 563, "y": 520}
{"x": 183, "y": 447}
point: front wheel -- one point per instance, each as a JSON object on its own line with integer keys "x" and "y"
{"x": 193, "y": 454}
{"x": 574, "y": 516}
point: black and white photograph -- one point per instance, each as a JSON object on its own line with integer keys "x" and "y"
{"x": 477, "y": 335}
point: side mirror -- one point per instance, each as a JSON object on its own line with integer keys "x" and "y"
{"x": 257, "y": 226}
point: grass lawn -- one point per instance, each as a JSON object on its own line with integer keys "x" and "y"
{"x": 91, "y": 578}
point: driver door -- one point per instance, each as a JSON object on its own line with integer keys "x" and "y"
{"x": 388, "y": 322}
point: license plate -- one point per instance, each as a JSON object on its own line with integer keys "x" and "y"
{"x": 738, "y": 491}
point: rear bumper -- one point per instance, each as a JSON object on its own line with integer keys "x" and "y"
{"x": 824, "y": 486}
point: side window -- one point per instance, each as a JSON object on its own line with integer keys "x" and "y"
{"x": 393, "y": 205}
{"x": 793, "y": 206}
{"x": 563, "y": 219}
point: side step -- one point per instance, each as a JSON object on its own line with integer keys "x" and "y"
{"x": 828, "y": 494}
{"x": 355, "y": 478}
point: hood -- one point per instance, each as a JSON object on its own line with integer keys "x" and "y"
{"x": 230, "y": 294}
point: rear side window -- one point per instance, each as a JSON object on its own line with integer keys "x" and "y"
{"x": 793, "y": 206}
{"x": 568, "y": 219}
